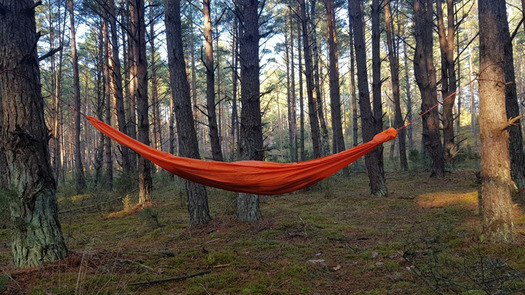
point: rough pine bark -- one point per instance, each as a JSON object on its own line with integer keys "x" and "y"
{"x": 215, "y": 142}
{"x": 80, "y": 179}
{"x": 251, "y": 139}
{"x": 517, "y": 157}
{"x": 374, "y": 159}
{"x": 293, "y": 97}
{"x": 495, "y": 163}
{"x": 180, "y": 90}
{"x": 140, "y": 93}
{"x": 3, "y": 160}
{"x": 301, "y": 93}
{"x": 338, "y": 142}
{"x": 36, "y": 235}
{"x": 425, "y": 74}
{"x": 310, "y": 88}
{"x": 353, "y": 96}
{"x": 393, "y": 57}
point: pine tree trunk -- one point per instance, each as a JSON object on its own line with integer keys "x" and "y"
{"x": 495, "y": 165}
{"x": 251, "y": 137}
{"x": 216, "y": 150}
{"x": 36, "y": 236}
{"x": 335, "y": 96}
{"x": 310, "y": 88}
{"x": 374, "y": 159}
{"x": 448, "y": 76}
{"x": 517, "y": 157}
{"x": 140, "y": 92}
{"x": 235, "y": 78}
{"x": 130, "y": 100}
{"x": 425, "y": 74}
{"x": 180, "y": 89}
{"x": 117, "y": 92}
{"x": 293, "y": 97}
{"x": 80, "y": 179}
{"x": 409, "y": 101}
{"x": 353, "y": 96}
{"x": 393, "y": 57}
{"x": 301, "y": 93}
{"x": 3, "y": 160}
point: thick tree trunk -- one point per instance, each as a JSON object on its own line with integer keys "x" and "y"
{"x": 180, "y": 89}
{"x": 80, "y": 179}
{"x": 130, "y": 100}
{"x": 216, "y": 150}
{"x": 393, "y": 57}
{"x": 495, "y": 165}
{"x": 425, "y": 74}
{"x": 374, "y": 159}
{"x": 338, "y": 144}
{"x": 251, "y": 137}
{"x": 310, "y": 89}
{"x": 36, "y": 237}
{"x": 140, "y": 92}
{"x": 117, "y": 92}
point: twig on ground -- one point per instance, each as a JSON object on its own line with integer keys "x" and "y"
{"x": 170, "y": 279}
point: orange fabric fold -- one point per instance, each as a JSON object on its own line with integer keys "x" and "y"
{"x": 256, "y": 177}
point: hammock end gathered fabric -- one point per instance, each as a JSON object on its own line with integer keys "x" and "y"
{"x": 257, "y": 177}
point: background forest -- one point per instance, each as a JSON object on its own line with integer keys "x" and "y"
{"x": 280, "y": 81}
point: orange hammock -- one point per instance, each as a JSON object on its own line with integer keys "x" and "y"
{"x": 256, "y": 177}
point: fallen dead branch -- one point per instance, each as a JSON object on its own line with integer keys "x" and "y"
{"x": 174, "y": 279}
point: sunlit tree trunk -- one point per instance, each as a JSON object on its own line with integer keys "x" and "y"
{"x": 374, "y": 159}
{"x": 80, "y": 179}
{"x": 180, "y": 89}
{"x": 495, "y": 163}
{"x": 425, "y": 74}
{"x": 140, "y": 93}
{"x": 117, "y": 92}
{"x": 36, "y": 235}
{"x": 393, "y": 57}
{"x": 301, "y": 93}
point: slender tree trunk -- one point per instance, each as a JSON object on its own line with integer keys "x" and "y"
{"x": 495, "y": 165}
{"x": 448, "y": 75}
{"x": 409, "y": 100}
{"x": 101, "y": 79}
{"x": 393, "y": 57}
{"x": 131, "y": 123}
{"x": 353, "y": 96}
{"x": 216, "y": 150}
{"x": 251, "y": 137}
{"x": 180, "y": 89}
{"x": 235, "y": 113}
{"x": 374, "y": 159}
{"x": 109, "y": 92}
{"x": 425, "y": 74}
{"x": 36, "y": 236}
{"x": 473, "y": 120}
{"x": 338, "y": 144}
{"x": 172, "y": 148}
{"x": 293, "y": 97}
{"x": 80, "y": 179}
{"x": 310, "y": 88}
{"x": 301, "y": 92}
{"x": 140, "y": 92}
{"x": 324, "y": 139}
{"x": 117, "y": 92}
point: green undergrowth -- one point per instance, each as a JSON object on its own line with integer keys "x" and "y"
{"x": 331, "y": 239}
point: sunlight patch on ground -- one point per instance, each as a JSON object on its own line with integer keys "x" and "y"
{"x": 440, "y": 199}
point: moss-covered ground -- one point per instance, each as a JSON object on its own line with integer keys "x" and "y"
{"x": 424, "y": 238}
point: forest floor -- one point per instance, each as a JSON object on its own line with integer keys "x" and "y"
{"x": 424, "y": 238}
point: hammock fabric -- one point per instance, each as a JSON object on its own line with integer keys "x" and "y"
{"x": 256, "y": 177}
